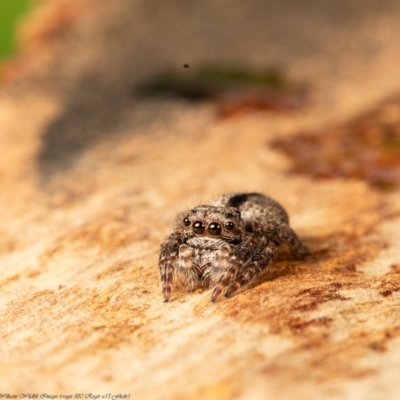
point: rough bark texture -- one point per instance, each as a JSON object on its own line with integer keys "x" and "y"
{"x": 91, "y": 177}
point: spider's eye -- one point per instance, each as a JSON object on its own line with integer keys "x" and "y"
{"x": 214, "y": 229}
{"x": 186, "y": 221}
{"x": 198, "y": 227}
{"x": 229, "y": 225}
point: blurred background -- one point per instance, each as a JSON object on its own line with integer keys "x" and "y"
{"x": 11, "y": 14}
{"x": 314, "y": 61}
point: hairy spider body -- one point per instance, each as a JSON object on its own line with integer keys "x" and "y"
{"x": 227, "y": 244}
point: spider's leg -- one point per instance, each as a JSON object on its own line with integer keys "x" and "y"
{"x": 260, "y": 260}
{"x": 284, "y": 234}
{"x": 168, "y": 256}
{"x": 287, "y": 235}
{"x": 232, "y": 262}
{"x": 218, "y": 266}
{"x": 166, "y": 266}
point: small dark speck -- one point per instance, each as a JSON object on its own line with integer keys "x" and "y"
{"x": 185, "y": 65}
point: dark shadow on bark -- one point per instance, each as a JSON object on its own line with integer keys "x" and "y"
{"x": 92, "y": 112}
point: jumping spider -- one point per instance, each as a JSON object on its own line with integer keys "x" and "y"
{"x": 226, "y": 244}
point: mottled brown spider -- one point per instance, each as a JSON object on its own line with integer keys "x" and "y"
{"x": 226, "y": 244}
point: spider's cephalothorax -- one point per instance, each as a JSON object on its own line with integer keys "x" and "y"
{"x": 226, "y": 244}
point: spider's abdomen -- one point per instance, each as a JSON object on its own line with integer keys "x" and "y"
{"x": 255, "y": 208}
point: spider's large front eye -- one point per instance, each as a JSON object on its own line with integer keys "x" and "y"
{"x": 229, "y": 225}
{"x": 186, "y": 221}
{"x": 198, "y": 228}
{"x": 214, "y": 229}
